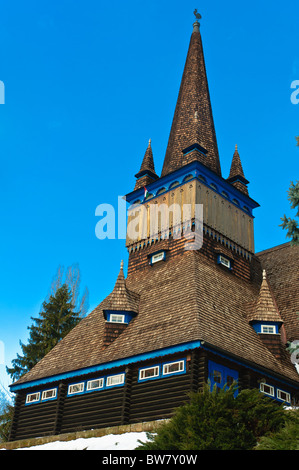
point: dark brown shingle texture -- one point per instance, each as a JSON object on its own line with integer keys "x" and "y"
{"x": 185, "y": 299}
{"x": 193, "y": 120}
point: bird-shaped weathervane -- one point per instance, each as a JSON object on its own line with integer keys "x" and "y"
{"x": 197, "y": 15}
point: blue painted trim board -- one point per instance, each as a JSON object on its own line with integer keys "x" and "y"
{"x": 108, "y": 365}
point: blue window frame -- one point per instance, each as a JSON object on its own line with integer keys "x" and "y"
{"x": 118, "y": 316}
{"x": 159, "y": 371}
{"x": 41, "y": 396}
{"x": 266, "y": 327}
{"x": 157, "y": 256}
{"x": 224, "y": 261}
{"x": 149, "y": 373}
{"x": 275, "y": 393}
{"x": 76, "y": 389}
{"x": 221, "y": 376}
{"x": 32, "y": 398}
{"x": 50, "y": 394}
{"x": 96, "y": 384}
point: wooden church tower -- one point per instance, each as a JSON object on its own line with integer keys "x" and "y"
{"x": 198, "y": 303}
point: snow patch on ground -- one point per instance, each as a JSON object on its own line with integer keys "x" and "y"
{"x": 126, "y": 441}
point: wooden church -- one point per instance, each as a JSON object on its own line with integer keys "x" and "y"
{"x": 185, "y": 314}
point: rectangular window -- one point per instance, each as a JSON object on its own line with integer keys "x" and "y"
{"x": 224, "y": 261}
{"x": 158, "y": 257}
{"x": 229, "y": 380}
{"x": 217, "y": 376}
{"x": 268, "y": 329}
{"x": 115, "y": 380}
{"x": 283, "y": 396}
{"x": 95, "y": 384}
{"x": 173, "y": 367}
{"x": 76, "y": 388}
{"x": 267, "y": 389}
{"x": 117, "y": 318}
{"x": 33, "y": 397}
{"x": 48, "y": 394}
{"x": 149, "y": 372}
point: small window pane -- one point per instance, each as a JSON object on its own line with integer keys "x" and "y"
{"x": 95, "y": 384}
{"x": 157, "y": 257}
{"x": 267, "y": 389}
{"x": 76, "y": 388}
{"x": 117, "y": 318}
{"x": 149, "y": 372}
{"x": 224, "y": 261}
{"x": 33, "y": 397}
{"x": 173, "y": 367}
{"x": 47, "y": 394}
{"x": 115, "y": 380}
{"x": 283, "y": 396}
{"x": 217, "y": 376}
{"x": 268, "y": 329}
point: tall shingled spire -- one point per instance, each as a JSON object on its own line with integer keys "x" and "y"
{"x": 236, "y": 175}
{"x": 192, "y": 135}
{"x": 146, "y": 174}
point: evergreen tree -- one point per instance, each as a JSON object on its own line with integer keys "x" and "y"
{"x": 291, "y": 225}
{"x": 55, "y": 320}
{"x": 286, "y": 438}
{"x": 216, "y": 420}
{"x": 6, "y": 413}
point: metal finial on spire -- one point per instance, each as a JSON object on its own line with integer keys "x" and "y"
{"x": 264, "y": 274}
{"x": 196, "y": 23}
{"x": 121, "y": 264}
{"x": 197, "y": 15}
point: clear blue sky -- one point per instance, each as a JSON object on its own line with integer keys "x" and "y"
{"x": 86, "y": 85}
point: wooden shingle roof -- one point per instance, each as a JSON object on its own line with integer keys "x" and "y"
{"x": 188, "y": 298}
{"x": 281, "y": 264}
{"x": 121, "y": 298}
{"x": 265, "y": 308}
{"x": 193, "y": 119}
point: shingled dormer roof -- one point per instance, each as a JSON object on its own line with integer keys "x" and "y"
{"x": 193, "y": 120}
{"x": 265, "y": 308}
{"x": 121, "y": 298}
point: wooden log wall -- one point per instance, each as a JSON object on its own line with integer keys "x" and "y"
{"x": 33, "y": 420}
{"x": 131, "y": 403}
{"x": 93, "y": 410}
{"x": 135, "y": 401}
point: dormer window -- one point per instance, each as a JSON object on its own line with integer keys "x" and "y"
{"x": 117, "y": 318}
{"x": 268, "y": 329}
{"x": 224, "y": 261}
{"x": 156, "y": 257}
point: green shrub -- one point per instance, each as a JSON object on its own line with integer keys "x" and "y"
{"x": 216, "y": 420}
